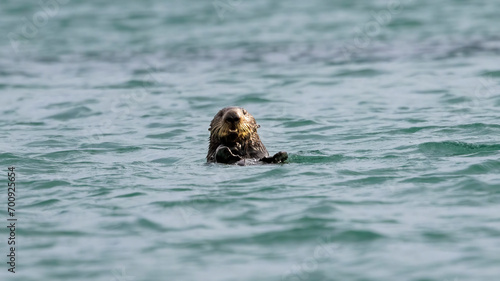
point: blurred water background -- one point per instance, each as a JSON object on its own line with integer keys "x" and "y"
{"x": 389, "y": 111}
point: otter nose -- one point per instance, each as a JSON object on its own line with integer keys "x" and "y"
{"x": 232, "y": 117}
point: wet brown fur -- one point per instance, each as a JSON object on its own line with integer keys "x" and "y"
{"x": 240, "y": 136}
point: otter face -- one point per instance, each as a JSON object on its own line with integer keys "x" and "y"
{"x": 232, "y": 125}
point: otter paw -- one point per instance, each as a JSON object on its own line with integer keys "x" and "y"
{"x": 279, "y": 157}
{"x": 224, "y": 155}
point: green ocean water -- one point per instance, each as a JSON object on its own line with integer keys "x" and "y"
{"x": 389, "y": 111}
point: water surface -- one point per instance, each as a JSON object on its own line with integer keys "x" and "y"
{"x": 392, "y": 126}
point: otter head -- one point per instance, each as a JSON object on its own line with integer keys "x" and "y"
{"x": 232, "y": 125}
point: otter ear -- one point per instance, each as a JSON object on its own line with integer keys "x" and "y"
{"x": 210, "y": 129}
{"x": 244, "y": 111}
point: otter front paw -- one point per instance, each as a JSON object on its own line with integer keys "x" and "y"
{"x": 224, "y": 155}
{"x": 279, "y": 157}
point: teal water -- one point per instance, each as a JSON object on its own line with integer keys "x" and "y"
{"x": 390, "y": 115}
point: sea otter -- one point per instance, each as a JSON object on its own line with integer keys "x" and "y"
{"x": 234, "y": 139}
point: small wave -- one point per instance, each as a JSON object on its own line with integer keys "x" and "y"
{"x": 43, "y": 203}
{"x": 452, "y": 148}
{"x": 254, "y": 98}
{"x": 495, "y": 73}
{"x": 128, "y": 195}
{"x": 51, "y": 184}
{"x": 373, "y": 180}
{"x": 486, "y": 167}
{"x": 167, "y": 135}
{"x": 9, "y": 156}
{"x": 357, "y": 236}
{"x": 478, "y": 185}
{"x": 424, "y": 179}
{"x": 29, "y": 124}
{"x": 156, "y": 125}
{"x": 167, "y": 160}
{"x": 148, "y": 224}
{"x": 71, "y": 104}
{"x": 62, "y": 154}
{"x": 299, "y": 123}
{"x": 412, "y": 130}
{"x": 359, "y": 73}
{"x": 313, "y": 157}
{"x": 75, "y": 113}
{"x": 130, "y": 84}
{"x": 436, "y": 236}
{"x": 111, "y": 145}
